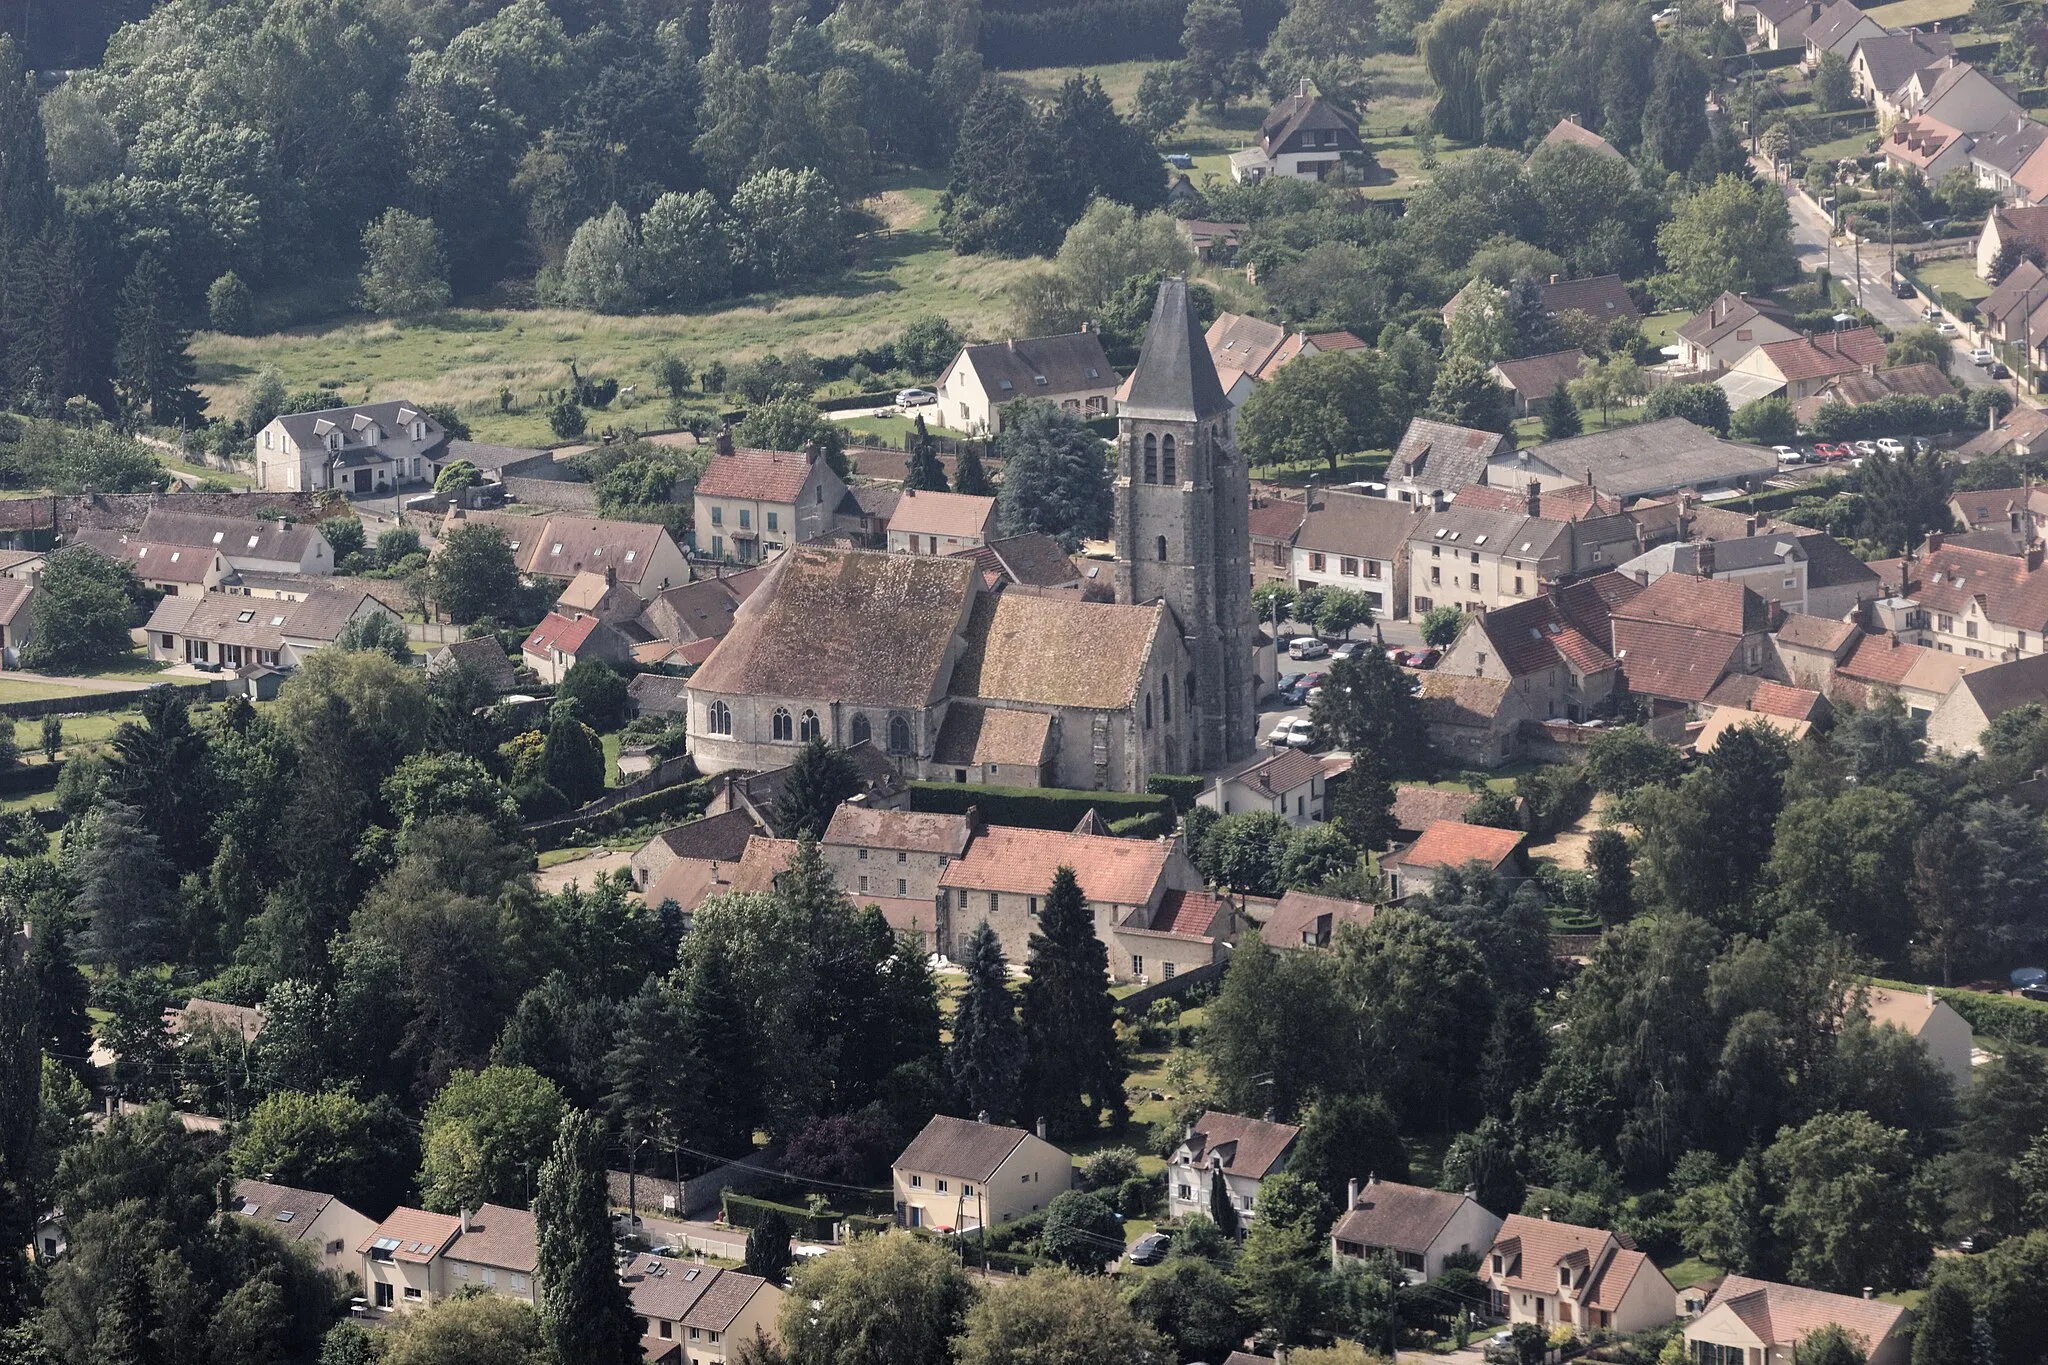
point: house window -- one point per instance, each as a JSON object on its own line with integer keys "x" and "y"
{"x": 1316, "y": 563}
{"x": 1348, "y": 567}
{"x": 1944, "y": 623}
{"x": 1148, "y": 710}
{"x": 1183, "y": 1192}
{"x": 1166, "y": 474}
{"x": 863, "y": 882}
{"x": 1137, "y": 965}
{"x": 1151, "y": 458}
{"x": 860, "y": 729}
{"x": 780, "y": 720}
{"x": 943, "y": 1187}
{"x": 807, "y": 727}
{"x": 1166, "y": 970}
{"x": 1031, "y": 904}
{"x": 902, "y": 857}
{"x": 967, "y": 1190}
{"x": 902, "y": 887}
{"x": 1372, "y": 568}
{"x": 917, "y": 1183}
{"x": 383, "y": 1294}
{"x": 995, "y": 901}
{"x": 772, "y": 522}
{"x": 1166, "y": 700}
{"x": 1970, "y": 629}
{"x": 746, "y": 518}
{"x": 1518, "y": 585}
{"x": 899, "y": 735}
{"x": 721, "y": 718}
{"x": 412, "y": 1293}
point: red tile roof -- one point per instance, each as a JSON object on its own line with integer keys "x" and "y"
{"x": 1831, "y": 353}
{"x": 1181, "y": 914}
{"x": 563, "y": 633}
{"x": 412, "y": 1235}
{"x": 1417, "y": 808}
{"x": 942, "y": 514}
{"x": 1111, "y": 871}
{"x": 1276, "y": 518}
{"x": 759, "y": 475}
{"x": 1783, "y": 1315}
{"x": 1572, "y": 624}
{"x": 1248, "y": 1147}
{"x": 1880, "y": 659}
{"x": 1721, "y": 605}
{"x": 1302, "y": 913}
{"x": 1662, "y": 659}
{"x": 1449, "y": 843}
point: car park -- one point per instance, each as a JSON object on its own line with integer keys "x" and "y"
{"x": 915, "y": 398}
{"x": 1891, "y": 446}
{"x": 1307, "y": 647}
{"x": 1292, "y": 733}
{"x": 1787, "y": 455}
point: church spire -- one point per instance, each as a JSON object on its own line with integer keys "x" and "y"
{"x": 1175, "y": 379}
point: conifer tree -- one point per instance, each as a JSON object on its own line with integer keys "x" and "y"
{"x": 987, "y": 1052}
{"x": 1947, "y": 1334}
{"x": 819, "y": 780}
{"x": 1561, "y": 418}
{"x": 21, "y": 1078}
{"x": 968, "y": 475}
{"x": 572, "y": 761}
{"x": 926, "y": 473}
{"x": 122, "y": 891}
{"x": 1221, "y": 1210}
{"x": 584, "y": 1310}
{"x": 1364, "y": 807}
{"x": 1074, "y": 1069}
{"x": 26, "y": 196}
{"x": 768, "y": 1251}
{"x": 152, "y": 369}
{"x": 718, "y": 1060}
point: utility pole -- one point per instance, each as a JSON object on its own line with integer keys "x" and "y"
{"x": 1859, "y": 272}
{"x": 2026, "y": 344}
{"x": 1891, "y": 232}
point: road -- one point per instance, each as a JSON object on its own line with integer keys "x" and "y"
{"x": 1811, "y": 233}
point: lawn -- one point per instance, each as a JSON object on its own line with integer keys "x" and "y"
{"x": 465, "y": 356}
{"x": 90, "y": 728}
{"x": 1661, "y": 329}
{"x": 231, "y": 477}
{"x": 11, "y": 690}
{"x": 1957, "y": 277}
{"x": 1907, "y": 13}
{"x": 892, "y": 429}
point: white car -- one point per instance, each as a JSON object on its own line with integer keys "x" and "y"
{"x": 1787, "y": 455}
{"x": 915, "y": 398}
{"x": 1946, "y": 328}
{"x": 1892, "y": 447}
{"x": 1981, "y": 356}
{"x": 1293, "y": 733}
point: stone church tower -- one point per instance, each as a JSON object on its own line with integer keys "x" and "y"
{"x": 1183, "y": 534}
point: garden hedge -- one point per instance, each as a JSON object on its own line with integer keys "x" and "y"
{"x": 1036, "y": 807}
{"x": 1995, "y": 1016}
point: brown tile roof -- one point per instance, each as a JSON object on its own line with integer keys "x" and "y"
{"x": 1701, "y": 603}
{"x": 974, "y": 734}
{"x": 1359, "y": 525}
{"x": 1784, "y": 1315}
{"x": 412, "y": 1235}
{"x": 1448, "y": 699}
{"x": 1298, "y": 111}
{"x": 1247, "y": 1147}
{"x": 1831, "y": 353}
{"x": 1815, "y": 632}
{"x": 861, "y": 627}
{"x": 1111, "y": 871}
{"x": 246, "y": 1020}
{"x": 913, "y": 831}
{"x": 1573, "y": 625}
{"x": 1534, "y": 377}
{"x": 1664, "y": 659}
{"x": 1567, "y": 131}
{"x": 1727, "y": 314}
{"x": 1073, "y": 362}
{"x": 1576, "y": 502}
{"x": 286, "y": 1211}
{"x": 1283, "y": 772}
{"x": 483, "y": 656}
{"x": 688, "y": 882}
{"x": 1980, "y": 508}
{"x": 1907, "y": 1011}
{"x": 764, "y": 860}
{"x": 1276, "y": 518}
{"x": 1881, "y": 659}
{"x": 722, "y": 1302}
{"x": 723, "y": 837}
{"x": 1761, "y": 695}
{"x": 1403, "y": 1217}
{"x": 566, "y": 546}
{"x": 1180, "y": 914}
{"x": 776, "y": 476}
{"x": 1728, "y": 718}
{"x": 1032, "y": 559}
{"x": 663, "y": 1288}
{"x": 500, "y": 1237}
{"x": 1336, "y": 341}
{"x": 1023, "y": 649}
{"x": 1535, "y": 1247}
{"x": 1447, "y": 455}
{"x": 1241, "y": 343}
{"x": 1449, "y": 843}
{"x": 1950, "y": 578}
{"x": 1603, "y": 297}
{"x": 155, "y": 561}
{"x": 1303, "y": 919}
{"x": 1417, "y": 808}
{"x": 960, "y": 1148}
{"x": 942, "y": 514}
{"x": 556, "y": 632}
{"x": 2003, "y": 686}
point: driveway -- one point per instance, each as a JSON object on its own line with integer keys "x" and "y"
{"x": 582, "y": 871}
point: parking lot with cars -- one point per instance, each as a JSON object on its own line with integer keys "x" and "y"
{"x": 1304, "y": 662}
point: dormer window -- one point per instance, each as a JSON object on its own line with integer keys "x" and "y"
{"x": 1496, "y": 1263}
{"x": 1564, "y": 1277}
{"x": 1039, "y": 380}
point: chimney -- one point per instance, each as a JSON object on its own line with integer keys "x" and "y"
{"x": 1351, "y": 1193}
{"x": 1868, "y": 1292}
{"x": 1535, "y": 498}
{"x": 1704, "y": 558}
{"x": 2034, "y": 556}
{"x": 811, "y": 452}
{"x": 1011, "y": 343}
{"x": 982, "y": 1117}
{"x": 1933, "y": 541}
{"x": 1554, "y": 279}
{"x": 1931, "y": 996}
{"x": 465, "y": 1218}
{"x": 910, "y": 492}
{"x": 1087, "y": 325}
{"x": 1546, "y": 1213}
{"x": 724, "y": 446}
{"x": 1039, "y": 1127}
{"x": 1304, "y": 87}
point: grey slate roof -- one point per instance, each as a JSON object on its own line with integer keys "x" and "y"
{"x": 1728, "y": 313}
{"x": 1448, "y": 456}
{"x": 1894, "y": 58}
{"x": 960, "y": 1148}
{"x": 1072, "y": 362}
{"x": 2005, "y": 147}
{"x": 489, "y": 458}
{"x": 1653, "y": 457}
{"x": 1175, "y": 379}
{"x": 232, "y": 536}
{"x": 2003, "y": 686}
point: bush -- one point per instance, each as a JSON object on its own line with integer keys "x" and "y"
{"x": 1150, "y": 825}
{"x": 1034, "y": 807}
{"x": 1182, "y": 787}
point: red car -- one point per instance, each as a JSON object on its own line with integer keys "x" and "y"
{"x": 1832, "y": 453}
{"x": 1423, "y": 658}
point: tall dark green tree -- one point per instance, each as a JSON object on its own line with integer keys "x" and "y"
{"x": 1074, "y": 1070}
{"x": 124, "y": 891}
{"x": 768, "y": 1250}
{"x": 1222, "y": 1208}
{"x": 820, "y": 779}
{"x": 1948, "y": 1327}
{"x": 1561, "y": 415}
{"x": 926, "y": 473}
{"x": 26, "y": 197}
{"x": 970, "y": 476}
{"x": 163, "y": 768}
{"x": 996, "y": 199}
{"x": 1608, "y": 857}
{"x": 724, "y": 1098}
{"x": 1055, "y": 478}
{"x": 986, "y": 1056}
{"x": 21, "y": 1107}
{"x": 1675, "y": 117}
{"x": 1364, "y": 804}
{"x": 152, "y": 367}
{"x": 57, "y": 323}
{"x": 584, "y": 1310}
{"x": 1905, "y": 497}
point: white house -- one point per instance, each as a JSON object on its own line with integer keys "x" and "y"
{"x": 1288, "y": 784}
{"x": 1242, "y": 1151}
{"x": 1071, "y": 370}
{"x": 751, "y": 505}
{"x": 329, "y": 1229}
{"x": 231, "y": 631}
{"x": 1561, "y": 1275}
{"x": 957, "y": 1175}
{"x": 1924, "y": 1015}
{"x": 1359, "y": 542}
{"x": 370, "y": 448}
{"x": 928, "y": 523}
{"x": 1419, "y": 1226}
{"x": 1304, "y": 137}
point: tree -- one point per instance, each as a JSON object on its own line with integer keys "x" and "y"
{"x": 1056, "y": 1315}
{"x": 1244, "y": 852}
{"x": 969, "y": 475}
{"x": 1324, "y": 407}
{"x": 598, "y": 692}
{"x": 1704, "y": 405}
{"x": 1441, "y": 626}
{"x": 1675, "y": 116}
{"x": 1081, "y": 1232}
{"x": 584, "y": 1311}
{"x": 1344, "y": 1138}
{"x": 1766, "y": 422}
{"x": 332, "y": 1142}
{"x": 686, "y": 254}
{"x": 1729, "y": 236}
{"x": 1215, "y": 64}
{"x": 768, "y": 1251}
{"x": 926, "y": 473}
{"x": 566, "y": 420}
{"x": 84, "y": 612}
{"x": 1947, "y": 1327}
{"x": 1904, "y": 497}
{"x": 484, "y": 1329}
{"x": 152, "y": 368}
{"x": 1163, "y": 99}
{"x": 882, "y": 1301}
{"x": 789, "y": 223}
{"x": 485, "y": 1137}
{"x": 1561, "y": 415}
{"x": 1325, "y": 42}
{"x": 572, "y": 760}
{"x": 1191, "y": 1302}
{"x": 230, "y": 307}
{"x": 986, "y": 1056}
{"x": 1268, "y": 1039}
{"x": 122, "y": 891}
{"x": 1315, "y": 855}
{"x": 602, "y": 269}
{"x": 1363, "y": 804}
{"x": 1055, "y": 478}
{"x": 821, "y": 777}
{"x": 1075, "y": 1068}
{"x": 474, "y": 574}
{"x": 1947, "y": 876}
{"x": 1919, "y": 346}
{"x": 928, "y": 344}
{"x": 1222, "y": 1208}
{"x": 1828, "y": 1345}
{"x": 1466, "y": 394}
{"x": 1366, "y": 706}
{"x": 1833, "y": 86}
{"x": 376, "y": 632}
{"x": 1628, "y": 757}
{"x": 1851, "y": 1212}
{"x": 1612, "y": 865}
{"x": 405, "y": 274}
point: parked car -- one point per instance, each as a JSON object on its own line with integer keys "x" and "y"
{"x": 1982, "y": 356}
{"x": 1996, "y": 369}
{"x": 1296, "y": 692}
{"x": 1307, "y": 647}
{"x": 2034, "y": 992}
{"x": 1150, "y": 1249}
{"x": 915, "y": 398}
{"x": 1787, "y": 455}
{"x": 1422, "y": 658}
{"x": 1349, "y": 649}
{"x": 1892, "y": 446}
{"x": 1180, "y": 161}
{"x": 1828, "y": 451}
{"x": 1292, "y": 733}
{"x": 1902, "y": 289}
{"x": 1946, "y": 328}
{"x": 1866, "y": 449}
{"x": 1930, "y": 312}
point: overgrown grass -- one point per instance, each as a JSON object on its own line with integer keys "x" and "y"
{"x": 466, "y": 356}
{"x": 14, "y": 690}
{"x": 1957, "y": 277}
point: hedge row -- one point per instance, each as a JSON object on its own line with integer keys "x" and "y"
{"x": 1763, "y": 59}
{"x": 1182, "y": 787}
{"x": 857, "y": 400}
{"x": 745, "y": 1211}
{"x": 1035, "y": 807}
{"x": 22, "y": 778}
{"x": 1150, "y": 825}
{"x": 2008, "y": 1017}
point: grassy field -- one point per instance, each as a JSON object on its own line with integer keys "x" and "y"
{"x": 467, "y": 355}
{"x": 13, "y": 690}
{"x": 1958, "y": 277}
{"x": 1906, "y": 13}
{"x": 893, "y": 429}
{"x": 231, "y": 477}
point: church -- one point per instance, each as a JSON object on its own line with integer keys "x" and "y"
{"x": 958, "y": 681}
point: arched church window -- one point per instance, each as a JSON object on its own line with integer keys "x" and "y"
{"x": 807, "y": 726}
{"x": 1151, "y": 458}
{"x": 721, "y": 718}
{"x": 1166, "y": 474}
{"x": 1160, "y": 546}
{"x": 862, "y": 731}
{"x": 899, "y": 735}
{"x": 780, "y": 720}
{"x": 1166, "y": 700}
{"x": 1148, "y": 710}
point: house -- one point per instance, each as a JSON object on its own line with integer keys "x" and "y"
{"x": 1241, "y": 348}
{"x": 327, "y": 1228}
{"x": 2004, "y": 226}
{"x": 1436, "y": 459}
{"x": 1958, "y": 723}
{"x": 1359, "y": 542}
{"x": 1242, "y": 1151}
{"x": 1560, "y": 1275}
{"x": 1762, "y": 1323}
{"x": 1212, "y": 243}
{"x": 765, "y": 860}
{"x": 1600, "y": 533}
{"x": 1031, "y": 564}
{"x": 1921, "y": 380}
{"x": 750, "y": 505}
{"x": 1726, "y": 718}
{"x": 1680, "y": 636}
{"x": 1799, "y": 367}
{"x": 2013, "y": 310}
{"x": 1417, "y": 808}
{"x": 403, "y": 1268}
{"x": 174, "y": 570}
{"x": 1773, "y": 566}
{"x": 1957, "y": 95}
{"x": 1838, "y": 29}
{"x": 1303, "y": 919}
{"x": 1977, "y": 603}
{"x": 1555, "y": 649}
{"x": 199, "y": 1016}
{"x": 1474, "y": 720}
{"x": 1642, "y": 460}
{"x": 1533, "y": 379}
{"x": 958, "y": 1175}
{"x": 1568, "y": 131}
{"x": 219, "y": 630}
{"x": 2017, "y": 510}
{"x": 687, "y": 862}
{"x": 1071, "y": 370}
{"x": 1923, "y": 677}
{"x": 559, "y": 642}
{"x": 1144, "y": 897}
{"x": 1730, "y": 328}
{"x": 1421, "y": 1227}
{"x": 2020, "y": 432}
{"x": 599, "y": 594}
{"x": 1750, "y": 695}
{"x": 1894, "y": 71}
{"x": 1809, "y": 649}
{"x": 698, "y": 614}
{"x": 369, "y": 448}
{"x": 1288, "y": 784}
{"x": 1928, "y": 148}
{"x": 895, "y": 859}
{"x": 1448, "y": 844}
{"x": 854, "y": 645}
{"x": 496, "y": 1253}
{"x": 481, "y": 656}
{"x": 1926, "y": 1016}
{"x": 1478, "y": 560}
{"x": 940, "y": 523}
{"x": 2000, "y": 153}
{"x": 1783, "y": 23}
{"x": 17, "y": 619}
{"x": 1603, "y": 298}
{"x": 691, "y": 1313}
{"x": 1304, "y": 136}
{"x": 638, "y": 555}
{"x": 248, "y": 544}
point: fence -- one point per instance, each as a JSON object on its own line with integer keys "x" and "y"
{"x": 697, "y": 1195}
{"x": 434, "y": 632}
{"x": 1173, "y": 987}
{"x": 87, "y": 702}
